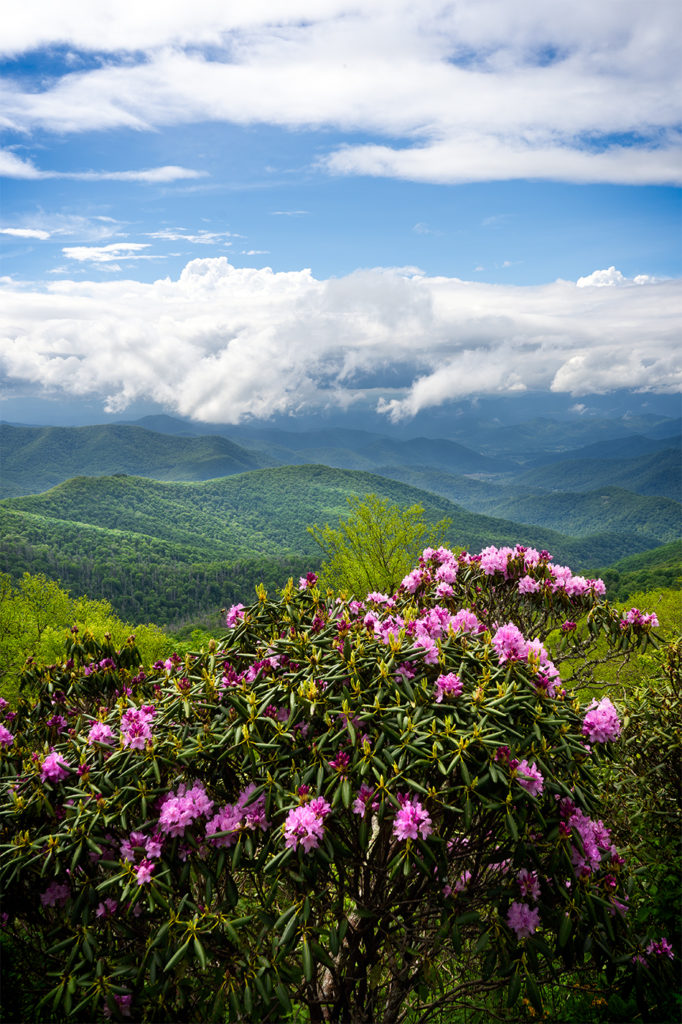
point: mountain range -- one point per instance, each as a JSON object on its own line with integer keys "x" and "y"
{"x": 181, "y": 518}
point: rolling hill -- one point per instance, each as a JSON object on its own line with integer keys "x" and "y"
{"x": 164, "y": 550}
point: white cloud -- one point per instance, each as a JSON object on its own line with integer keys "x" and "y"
{"x": 105, "y": 253}
{"x": 26, "y": 233}
{"x": 222, "y": 343}
{"x": 201, "y": 237}
{"x": 465, "y": 92}
{"x": 12, "y": 166}
{"x": 612, "y": 278}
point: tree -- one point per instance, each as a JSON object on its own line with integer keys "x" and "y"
{"x": 358, "y": 810}
{"x": 375, "y": 546}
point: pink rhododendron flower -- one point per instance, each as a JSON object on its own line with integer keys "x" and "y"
{"x": 527, "y": 585}
{"x": 54, "y": 767}
{"x": 364, "y": 799}
{"x": 55, "y": 895}
{"x": 601, "y": 722}
{"x": 144, "y": 871}
{"x": 523, "y": 919}
{"x": 464, "y": 621}
{"x": 510, "y": 643}
{"x": 529, "y": 778}
{"x": 136, "y": 727}
{"x": 107, "y": 908}
{"x": 245, "y": 813}
{"x": 234, "y": 615}
{"x": 449, "y": 685}
{"x": 178, "y": 810}
{"x": 660, "y": 948}
{"x": 304, "y": 582}
{"x": 495, "y": 559}
{"x": 6, "y": 737}
{"x": 100, "y": 733}
{"x": 413, "y": 580}
{"x": 639, "y": 620}
{"x": 304, "y": 825}
{"x": 528, "y": 884}
{"x": 412, "y": 820}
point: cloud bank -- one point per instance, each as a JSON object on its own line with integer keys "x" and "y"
{"x": 221, "y": 344}
{"x": 447, "y": 92}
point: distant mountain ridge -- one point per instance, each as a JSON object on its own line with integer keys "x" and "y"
{"x": 37, "y": 458}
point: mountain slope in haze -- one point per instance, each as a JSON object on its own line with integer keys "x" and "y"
{"x": 139, "y": 541}
{"x": 521, "y": 440}
{"x": 629, "y": 447}
{"x": 657, "y": 474}
{"x": 37, "y": 458}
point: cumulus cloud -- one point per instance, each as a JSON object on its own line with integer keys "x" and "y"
{"x": 610, "y": 278}
{"x": 222, "y": 343}
{"x": 12, "y": 166}
{"x": 463, "y": 92}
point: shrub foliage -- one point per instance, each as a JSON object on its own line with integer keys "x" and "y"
{"x": 354, "y": 809}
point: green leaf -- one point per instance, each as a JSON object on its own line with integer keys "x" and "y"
{"x": 514, "y": 989}
{"x": 564, "y": 931}
{"x": 307, "y": 961}
{"x": 177, "y": 956}
{"x": 201, "y": 955}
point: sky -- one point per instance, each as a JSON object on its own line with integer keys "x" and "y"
{"x": 238, "y": 211}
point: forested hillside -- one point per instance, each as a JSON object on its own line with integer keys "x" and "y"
{"x": 658, "y": 474}
{"x": 661, "y": 567}
{"x": 167, "y": 551}
{"x": 577, "y": 513}
{"x": 37, "y": 458}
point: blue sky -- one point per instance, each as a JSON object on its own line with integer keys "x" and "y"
{"x": 316, "y": 205}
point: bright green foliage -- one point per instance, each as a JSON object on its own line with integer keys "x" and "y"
{"x": 644, "y": 791}
{"x": 35, "y": 615}
{"x": 375, "y": 546}
{"x": 306, "y": 701}
{"x": 647, "y": 570}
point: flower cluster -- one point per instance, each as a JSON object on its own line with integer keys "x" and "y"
{"x": 55, "y": 895}
{"x": 245, "y": 813}
{"x": 54, "y": 768}
{"x": 178, "y": 810}
{"x": 529, "y": 778}
{"x": 601, "y": 723}
{"x": 511, "y": 645}
{"x": 100, "y": 733}
{"x": 304, "y": 825}
{"x": 639, "y": 620}
{"x": 449, "y": 685}
{"x": 365, "y": 799}
{"x": 411, "y": 820}
{"x": 234, "y": 615}
{"x": 523, "y": 919}
{"x": 136, "y": 727}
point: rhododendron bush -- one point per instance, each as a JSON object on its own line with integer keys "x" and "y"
{"x": 337, "y": 806}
